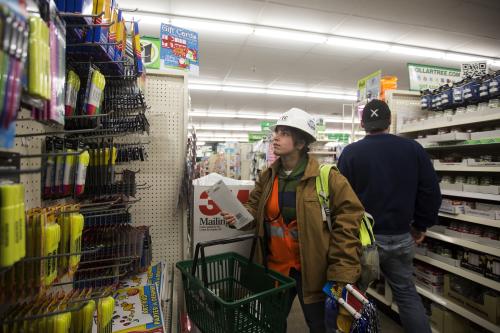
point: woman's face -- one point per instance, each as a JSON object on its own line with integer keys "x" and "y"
{"x": 283, "y": 141}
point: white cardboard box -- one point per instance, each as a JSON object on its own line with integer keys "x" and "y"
{"x": 473, "y": 162}
{"x": 471, "y": 188}
{"x": 489, "y": 189}
{"x": 449, "y": 261}
{"x": 452, "y": 187}
{"x": 208, "y": 224}
{"x": 452, "y": 209}
{"x": 438, "y": 163}
{"x": 485, "y": 135}
{"x": 453, "y": 136}
{"x": 487, "y": 214}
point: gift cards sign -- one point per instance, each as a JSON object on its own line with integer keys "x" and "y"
{"x": 179, "y": 49}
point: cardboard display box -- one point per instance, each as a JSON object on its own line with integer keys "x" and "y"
{"x": 208, "y": 224}
{"x": 488, "y": 309}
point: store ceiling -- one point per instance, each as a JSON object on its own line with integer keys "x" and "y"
{"x": 469, "y": 26}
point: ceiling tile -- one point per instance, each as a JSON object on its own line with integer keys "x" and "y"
{"x": 371, "y": 29}
{"x": 233, "y": 10}
{"x": 299, "y": 18}
{"x": 426, "y": 37}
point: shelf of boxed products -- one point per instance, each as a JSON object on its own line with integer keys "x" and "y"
{"x": 467, "y": 165}
{"x": 394, "y": 307}
{"x": 457, "y": 138}
{"x": 459, "y": 309}
{"x": 465, "y": 273}
{"x": 482, "y": 115}
{"x": 431, "y": 233}
{"x": 472, "y": 219}
{"x": 469, "y": 144}
{"x": 472, "y": 195}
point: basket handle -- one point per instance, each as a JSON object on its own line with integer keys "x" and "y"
{"x": 200, "y": 250}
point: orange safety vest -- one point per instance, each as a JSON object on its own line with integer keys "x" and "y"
{"x": 283, "y": 239}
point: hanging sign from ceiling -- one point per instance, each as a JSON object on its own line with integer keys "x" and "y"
{"x": 179, "y": 49}
{"x": 151, "y": 52}
{"x": 369, "y": 86}
{"x": 424, "y": 77}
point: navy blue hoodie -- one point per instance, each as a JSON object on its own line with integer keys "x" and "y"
{"x": 395, "y": 180}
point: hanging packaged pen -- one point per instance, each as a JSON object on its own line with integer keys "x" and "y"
{"x": 69, "y": 168}
{"x": 59, "y": 167}
{"x": 52, "y": 238}
{"x": 95, "y": 94}
{"x": 9, "y": 224}
{"x": 58, "y": 70}
{"x": 49, "y": 170}
{"x": 76, "y": 222}
{"x": 81, "y": 172}
{"x": 72, "y": 89}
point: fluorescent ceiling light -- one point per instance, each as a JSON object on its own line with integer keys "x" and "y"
{"x": 233, "y": 114}
{"x": 225, "y": 139}
{"x": 270, "y": 91}
{"x": 248, "y": 90}
{"x": 461, "y": 57}
{"x": 417, "y": 51}
{"x": 210, "y": 87}
{"x": 200, "y": 143}
{"x": 308, "y": 37}
{"x": 225, "y": 127}
{"x": 206, "y": 24}
{"x": 149, "y": 19}
{"x": 358, "y": 44}
{"x": 232, "y": 28}
{"x": 261, "y": 116}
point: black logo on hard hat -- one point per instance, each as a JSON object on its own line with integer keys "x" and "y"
{"x": 284, "y": 117}
{"x": 312, "y": 124}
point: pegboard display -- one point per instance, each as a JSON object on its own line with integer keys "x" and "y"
{"x": 162, "y": 176}
{"x": 163, "y": 171}
{"x": 30, "y": 146}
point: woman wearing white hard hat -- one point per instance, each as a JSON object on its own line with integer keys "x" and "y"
{"x": 288, "y": 215}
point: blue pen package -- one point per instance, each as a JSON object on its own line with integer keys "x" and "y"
{"x": 70, "y": 6}
{"x": 61, "y": 5}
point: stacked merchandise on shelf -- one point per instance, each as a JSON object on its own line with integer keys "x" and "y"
{"x": 226, "y": 162}
{"x": 458, "y": 126}
{"x": 81, "y": 238}
{"x": 262, "y": 157}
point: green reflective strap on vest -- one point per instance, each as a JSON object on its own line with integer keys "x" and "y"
{"x": 322, "y": 189}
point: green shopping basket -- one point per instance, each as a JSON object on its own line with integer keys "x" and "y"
{"x": 228, "y": 293}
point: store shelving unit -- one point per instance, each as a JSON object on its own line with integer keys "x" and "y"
{"x": 395, "y": 308}
{"x": 459, "y": 168}
{"x": 459, "y": 309}
{"x": 473, "y": 276}
{"x": 381, "y": 298}
{"x": 466, "y": 119}
{"x": 471, "y": 195}
{"x": 472, "y": 219}
{"x": 483, "y": 116}
{"x": 465, "y": 243}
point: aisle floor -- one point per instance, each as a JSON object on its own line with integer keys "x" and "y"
{"x": 296, "y": 322}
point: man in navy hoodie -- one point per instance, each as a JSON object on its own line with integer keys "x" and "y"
{"x": 396, "y": 183}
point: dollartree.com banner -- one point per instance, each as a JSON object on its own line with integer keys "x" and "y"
{"x": 431, "y": 77}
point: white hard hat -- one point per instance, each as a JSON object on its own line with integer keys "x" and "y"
{"x": 298, "y": 119}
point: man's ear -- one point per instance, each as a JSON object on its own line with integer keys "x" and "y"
{"x": 362, "y": 124}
